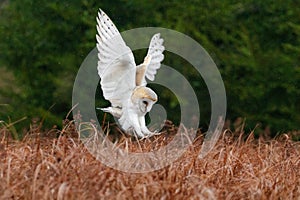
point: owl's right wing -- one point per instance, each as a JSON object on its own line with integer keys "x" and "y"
{"x": 152, "y": 61}
{"x": 116, "y": 65}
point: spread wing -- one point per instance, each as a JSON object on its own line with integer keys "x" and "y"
{"x": 151, "y": 62}
{"x": 116, "y": 65}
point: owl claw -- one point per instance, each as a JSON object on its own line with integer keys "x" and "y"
{"x": 143, "y": 135}
{"x": 156, "y": 132}
{"x": 150, "y": 134}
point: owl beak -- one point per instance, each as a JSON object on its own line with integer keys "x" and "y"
{"x": 145, "y": 103}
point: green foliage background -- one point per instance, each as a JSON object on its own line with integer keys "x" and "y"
{"x": 255, "y": 44}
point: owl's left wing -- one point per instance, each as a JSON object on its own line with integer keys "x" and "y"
{"x": 152, "y": 61}
{"x": 116, "y": 65}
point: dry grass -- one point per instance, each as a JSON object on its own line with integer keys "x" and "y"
{"x": 50, "y": 167}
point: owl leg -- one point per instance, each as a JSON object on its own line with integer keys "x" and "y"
{"x": 137, "y": 128}
{"x": 144, "y": 128}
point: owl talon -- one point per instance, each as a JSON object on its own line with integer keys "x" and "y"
{"x": 150, "y": 134}
{"x": 156, "y": 133}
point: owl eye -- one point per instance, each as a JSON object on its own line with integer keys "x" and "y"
{"x": 145, "y": 102}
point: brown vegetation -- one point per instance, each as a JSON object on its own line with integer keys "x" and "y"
{"x": 50, "y": 167}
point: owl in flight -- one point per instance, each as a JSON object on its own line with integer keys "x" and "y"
{"x": 123, "y": 82}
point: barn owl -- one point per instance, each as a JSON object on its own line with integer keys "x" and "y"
{"x": 123, "y": 82}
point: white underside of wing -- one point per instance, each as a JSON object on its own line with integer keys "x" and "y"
{"x": 156, "y": 50}
{"x": 116, "y": 65}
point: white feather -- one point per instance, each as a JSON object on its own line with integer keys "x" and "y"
{"x": 156, "y": 50}
{"x": 115, "y": 60}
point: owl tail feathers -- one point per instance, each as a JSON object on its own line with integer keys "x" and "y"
{"x": 117, "y": 112}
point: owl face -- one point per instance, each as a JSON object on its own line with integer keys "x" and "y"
{"x": 145, "y": 105}
{"x": 144, "y": 98}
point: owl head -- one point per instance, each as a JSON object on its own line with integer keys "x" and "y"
{"x": 143, "y": 98}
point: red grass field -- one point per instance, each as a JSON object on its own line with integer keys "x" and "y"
{"x": 44, "y": 166}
